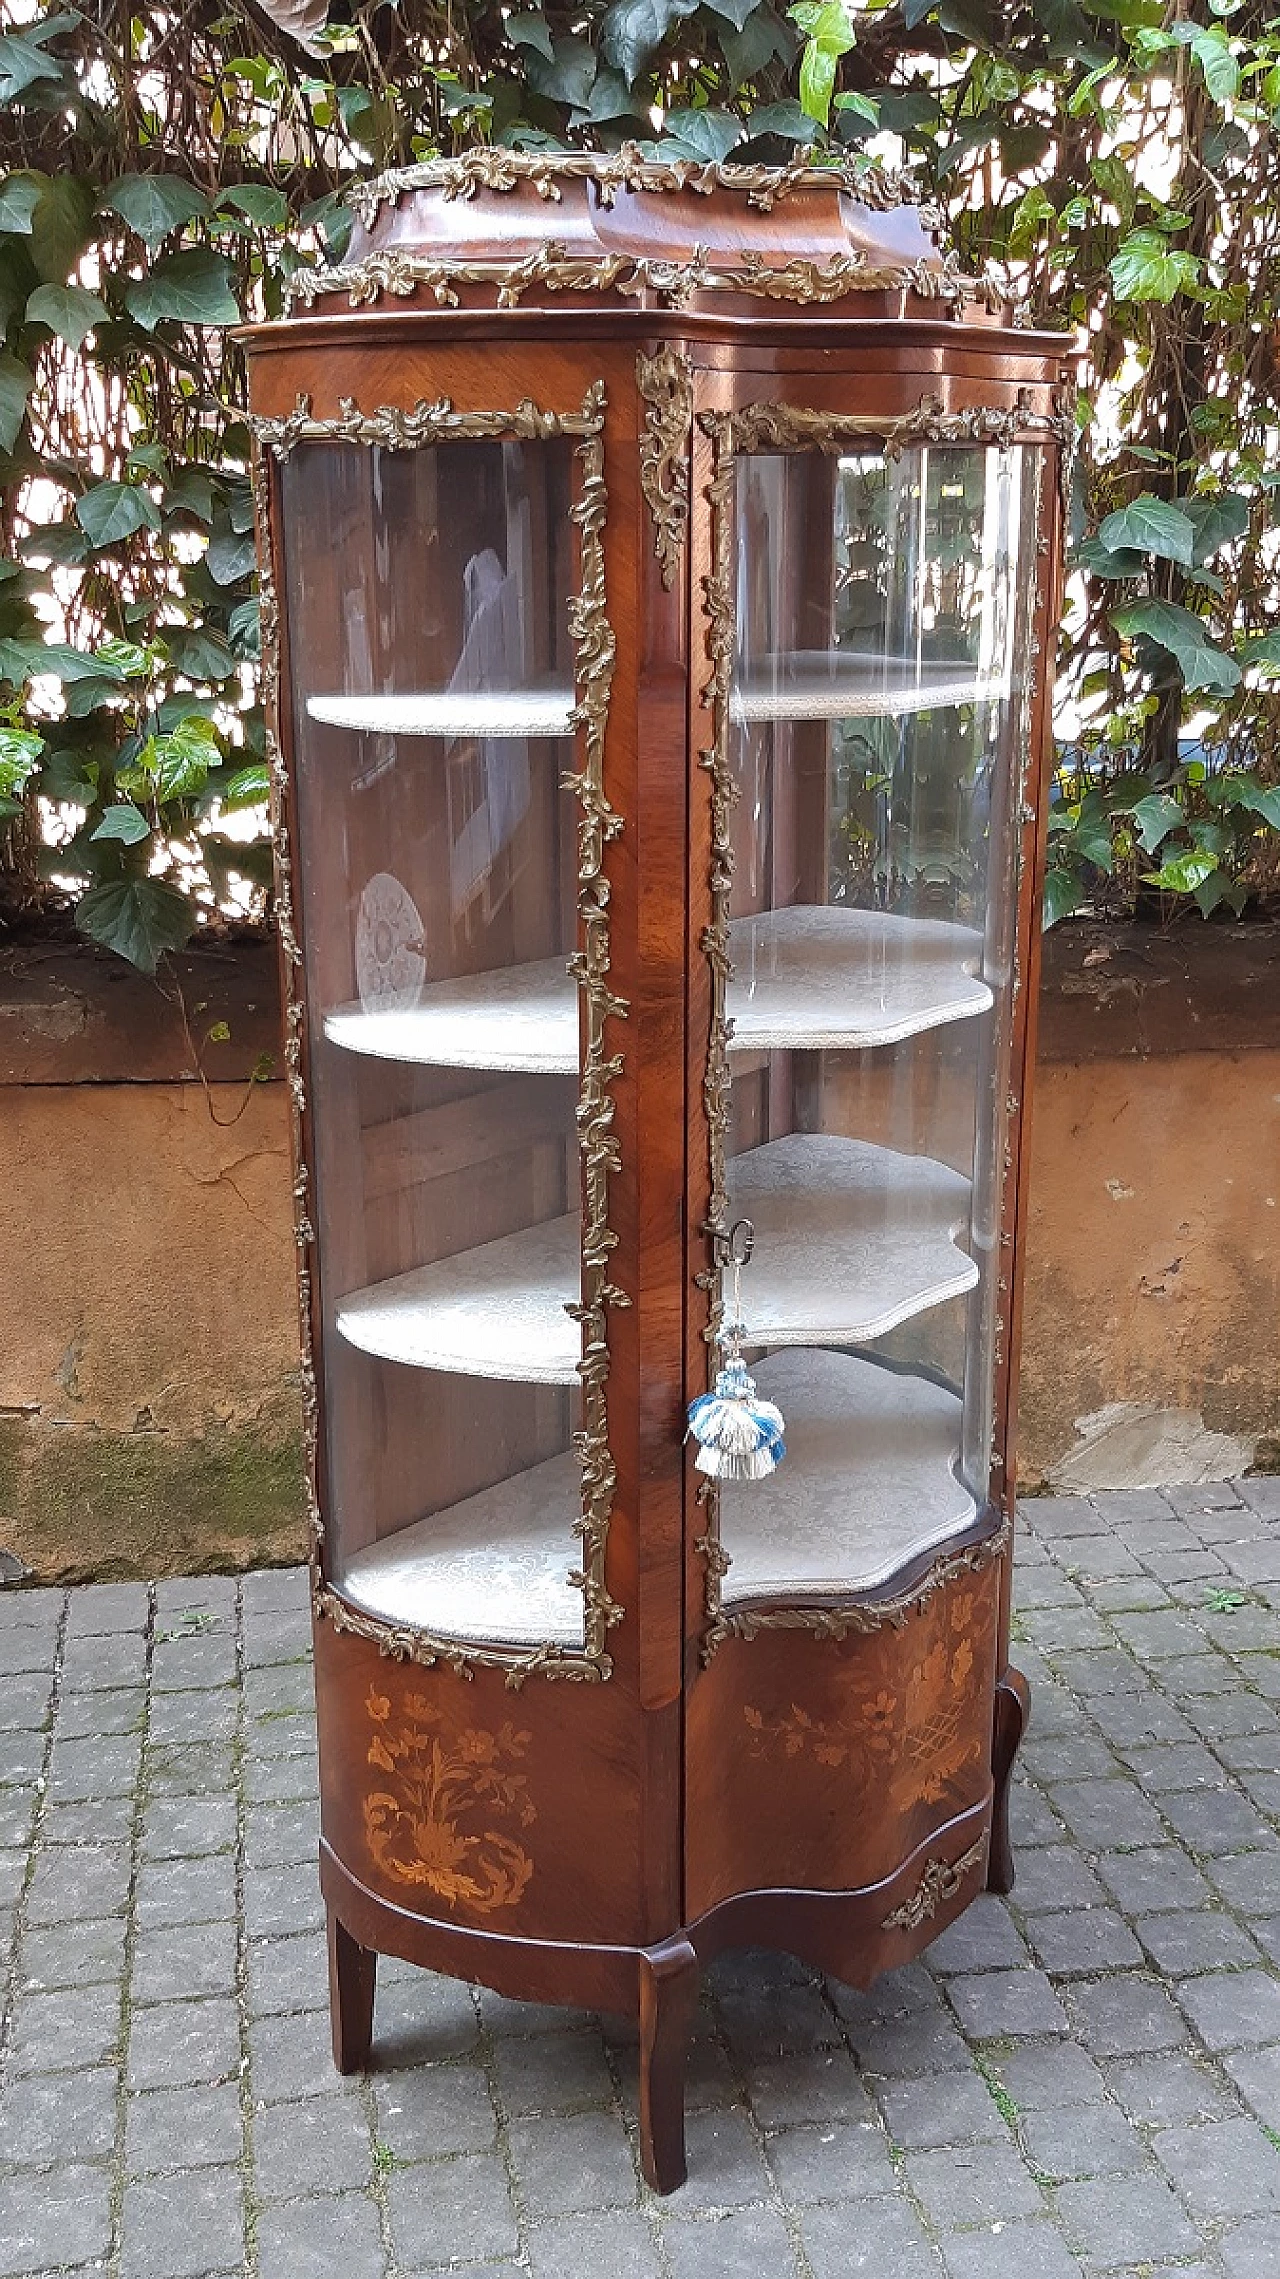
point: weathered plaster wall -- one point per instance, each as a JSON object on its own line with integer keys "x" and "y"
{"x": 1153, "y": 1271}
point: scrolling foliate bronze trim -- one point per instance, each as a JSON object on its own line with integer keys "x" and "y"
{"x": 941, "y": 1880}
{"x": 835, "y": 1619}
{"x": 629, "y": 169}
{"x": 595, "y": 650}
{"x": 795, "y": 427}
{"x": 665, "y": 381}
{"x": 551, "y": 268}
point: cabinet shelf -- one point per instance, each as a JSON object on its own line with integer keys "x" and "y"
{"x": 868, "y": 1485}
{"x": 494, "y": 1567}
{"x": 842, "y": 684}
{"x": 850, "y": 1240}
{"x": 491, "y": 713}
{"x": 806, "y": 979}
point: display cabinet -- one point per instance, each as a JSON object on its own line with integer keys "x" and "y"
{"x": 658, "y": 576}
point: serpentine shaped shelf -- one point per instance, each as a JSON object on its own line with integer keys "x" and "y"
{"x": 850, "y": 1240}
{"x": 868, "y": 1482}
{"x": 839, "y": 684}
{"x": 494, "y": 1568}
{"x": 806, "y": 979}
{"x": 500, "y": 712}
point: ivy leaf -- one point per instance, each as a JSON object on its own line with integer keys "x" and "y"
{"x": 244, "y": 629}
{"x": 70, "y": 311}
{"x": 192, "y": 287}
{"x": 60, "y": 225}
{"x": 788, "y": 120}
{"x": 1211, "y": 48}
{"x": 1156, "y": 817}
{"x": 181, "y": 761}
{"x": 1183, "y": 872}
{"x": 248, "y": 787}
{"x": 16, "y": 384}
{"x": 20, "y": 753}
{"x": 112, "y": 511}
{"x": 703, "y": 134}
{"x": 1063, "y": 894}
{"x": 1109, "y": 562}
{"x": 19, "y": 194}
{"x": 124, "y": 822}
{"x": 199, "y": 653}
{"x": 1148, "y": 268}
{"x": 1235, "y": 787}
{"x": 265, "y": 207}
{"x": 633, "y": 29}
{"x": 529, "y": 29}
{"x": 155, "y": 204}
{"x": 22, "y": 62}
{"x": 829, "y": 34}
{"x": 1217, "y": 520}
{"x": 1186, "y": 637}
{"x": 139, "y": 918}
{"x": 568, "y": 77}
{"x": 1152, "y": 526}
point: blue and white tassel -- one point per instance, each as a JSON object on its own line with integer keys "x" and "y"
{"x": 739, "y": 1436}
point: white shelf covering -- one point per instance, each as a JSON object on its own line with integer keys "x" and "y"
{"x": 498, "y": 712}
{"x": 847, "y": 684}
{"x": 868, "y": 1483}
{"x": 850, "y": 1240}
{"x": 494, "y": 1568}
{"x": 805, "y": 979}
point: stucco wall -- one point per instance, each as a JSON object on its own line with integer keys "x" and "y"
{"x": 149, "y": 1410}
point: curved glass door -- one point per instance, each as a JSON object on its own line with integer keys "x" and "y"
{"x": 428, "y": 603}
{"x": 876, "y": 723}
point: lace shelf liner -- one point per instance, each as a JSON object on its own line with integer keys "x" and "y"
{"x": 850, "y": 1240}
{"x": 821, "y": 684}
{"x": 868, "y": 1484}
{"x": 808, "y": 978}
{"x": 498, "y": 712}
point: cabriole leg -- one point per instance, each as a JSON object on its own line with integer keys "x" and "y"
{"x": 1012, "y": 1709}
{"x": 668, "y": 1996}
{"x": 352, "y": 1969}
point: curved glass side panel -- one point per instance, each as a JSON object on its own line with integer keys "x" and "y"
{"x": 877, "y": 721}
{"x": 432, "y": 688}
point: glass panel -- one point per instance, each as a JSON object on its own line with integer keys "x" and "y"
{"x": 877, "y": 719}
{"x": 432, "y": 686}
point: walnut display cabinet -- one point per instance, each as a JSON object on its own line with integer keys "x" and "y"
{"x": 659, "y": 575}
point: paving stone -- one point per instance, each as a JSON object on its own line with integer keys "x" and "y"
{"x": 444, "y": 2208}
{"x": 1031, "y": 1819}
{"x": 54, "y": 2220}
{"x": 1165, "y": 2091}
{"x": 96, "y": 1820}
{"x": 1191, "y": 1674}
{"x": 169, "y": 2129}
{"x": 187, "y": 1827}
{"x": 1162, "y": 1767}
{"x": 308, "y": 2239}
{"x": 92, "y": 1768}
{"x": 168, "y": 2234}
{"x": 985, "y": 1937}
{"x": 832, "y": 2158}
{"x": 957, "y": 2108}
{"x": 320, "y": 2145}
{"x": 1128, "y": 1719}
{"x": 775, "y": 2021}
{"x": 1148, "y": 1880}
{"x": 180, "y": 2045}
{"x": 177, "y": 1962}
{"x": 88, "y": 1953}
{"x": 24, "y": 1702}
{"x": 1216, "y": 1820}
{"x": 1064, "y": 1756}
{"x": 740, "y": 2243}
{"x": 1007, "y": 2002}
{"x": 271, "y": 1591}
{"x": 1254, "y": 1562}
{"x": 205, "y": 1659}
{"x": 281, "y": 1835}
{"x": 503, "y": 2017}
{"x": 1116, "y": 2220}
{"x": 122, "y": 1710}
{"x": 439, "y": 2109}
{"x": 208, "y": 1715}
{"x": 1098, "y": 1558}
{"x": 1249, "y": 1881}
{"x": 13, "y": 1872}
{"x": 58, "y": 2117}
{"x": 581, "y": 2161}
{"x": 1249, "y": 2251}
{"x": 1016, "y": 2251}
{"x": 901, "y": 2048}
{"x": 1121, "y": 2017}
{"x": 1233, "y": 2009}
{"x": 1267, "y": 1935}
{"x": 190, "y": 1768}
{"x": 1201, "y": 1939}
{"x": 274, "y": 1638}
{"x": 420, "y": 2018}
{"x": 293, "y": 2057}
{"x": 17, "y": 1811}
{"x": 616, "y": 2244}
{"x": 30, "y": 1609}
{"x": 25, "y": 1650}
{"x": 1052, "y": 1517}
{"x": 1102, "y": 1813}
{"x": 1225, "y": 1715}
{"x": 185, "y": 1604}
{"x": 68, "y": 1884}
{"x": 823, "y": 2085}
{"x": 277, "y": 1780}
{"x": 1082, "y": 2140}
{"x": 186, "y": 1891}
{"x": 1256, "y": 2074}
{"x": 1068, "y": 1629}
{"x": 1224, "y": 2168}
{"x": 1055, "y": 1878}
{"x": 1128, "y": 1594}
{"x": 288, "y": 1974}
{"x": 96, "y": 1665}
{"x": 108, "y": 1607}
{"x": 552, "y": 2073}
{"x": 972, "y": 2184}
{"x": 282, "y": 1687}
{"x": 1262, "y": 1493}
{"x": 73, "y": 2028}
{"x": 1043, "y": 2076}
{"x": 887, "y": 2241}
{"x": 725, "y": 2165}
{"x": 1087, "y": 1939}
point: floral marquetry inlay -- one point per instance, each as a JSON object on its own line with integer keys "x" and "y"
{"x": 913, "y": 1734}
{"x": 430, "y": 1825}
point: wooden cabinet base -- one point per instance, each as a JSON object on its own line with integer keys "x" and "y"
{"x": 853, "y": 1935}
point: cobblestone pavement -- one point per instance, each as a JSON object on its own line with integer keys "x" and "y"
{"x": 1086, "y": 2079}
